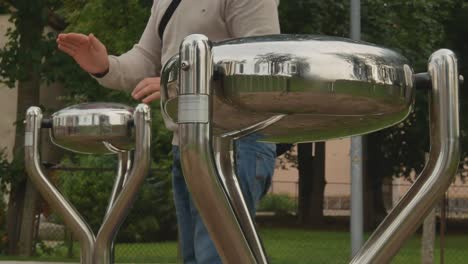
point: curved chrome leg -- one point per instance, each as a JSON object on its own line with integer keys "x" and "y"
{"x": 436, "y": 177}
{"x": 123, "y": 170}
{"x": 196, "y": 153}
{"x": 56, "y": 200}
{"x": 117, "y": 214}
{"x": 225, "y": 162}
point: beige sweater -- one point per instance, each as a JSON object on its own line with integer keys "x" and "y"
{"x": 217, "y": 19}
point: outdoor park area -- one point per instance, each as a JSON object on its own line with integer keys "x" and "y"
{"x": 283, "y": 245}
{"x": 391, "y": 71}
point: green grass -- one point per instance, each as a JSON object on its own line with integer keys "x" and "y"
{"x": 291, "y": 246}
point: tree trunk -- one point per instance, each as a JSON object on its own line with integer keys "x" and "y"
{"x": 304, "y": 160}
{"x": 311, "y": 183}
{"x": 374, "y": 206}
{"x": 28, "y": 95}
{"x": 15, "y": 203}
{"x": 26, "y": 243}
{"x": 30, "y": 25}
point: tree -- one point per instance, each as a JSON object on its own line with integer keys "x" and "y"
{"x": 456, "y": 32}
{"x": 327, "y": 19}
{"x": 311, "y": 166}
{"x": 153, "y": 214}
{"x": 31, "y": 58}
{"x": 21, "y": 61}
{"x": 413, "y": 28}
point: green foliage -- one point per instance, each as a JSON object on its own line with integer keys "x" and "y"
{"x": 128, "y": 20}
{"x": 280, "y": 204}
{"x": 10, "y": 172}
{"x": 415, "y": 29}
{"x": 89, "y": 191}
{"x": 152, "y": 216}
{"x": 315, "y": 17}
{"x": 26, "y": 46}
{"x": 456, "y": 39}
{"x": 4, "y": 165}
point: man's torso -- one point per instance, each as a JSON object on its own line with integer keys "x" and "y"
{"x": 191, "y": 17}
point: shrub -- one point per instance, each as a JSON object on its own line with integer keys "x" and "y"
{"x": 280, "y": 204}
{"x": 152, "y": 217}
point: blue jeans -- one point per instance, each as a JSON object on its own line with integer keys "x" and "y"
{"x": 255, "y": 166}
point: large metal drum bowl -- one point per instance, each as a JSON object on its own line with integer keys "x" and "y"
{"x": 301, "y": 88}
{"x": 94, "y": 128}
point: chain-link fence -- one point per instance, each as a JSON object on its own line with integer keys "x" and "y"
{"x": 145, "y": 238}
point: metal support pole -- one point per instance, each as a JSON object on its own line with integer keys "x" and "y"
{"x": 443, "y": 227}
{"x": 356, "y": 155}
{"x": 56, "y": 200}
{"x": 124, "y": 165}
{"x": 225, "y": 163}
{"x": 196, "y": 152}
{"x": 438, "y": 174}
{"x": 117, "y": 214}
{"x": 97, "y": 250}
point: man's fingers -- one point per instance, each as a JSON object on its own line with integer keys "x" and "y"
{"x": 71, "y": 41}
{"x": 142, "y": 84}
{"x": 152, "y": 97}
{"x": 146, "y": 86}
{"x": 95, "y": 43}
{"x": 147, "y": 90}
{"x": 73, "y": 37}
{"x": 68, "y": 45}
{"x": 67, "y": 50}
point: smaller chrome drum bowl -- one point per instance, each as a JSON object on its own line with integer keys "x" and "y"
{"x": 94, "y": 128}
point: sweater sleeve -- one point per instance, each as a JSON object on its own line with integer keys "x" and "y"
{"x": 251, "y": 18}
{"x": 142, "y": 61}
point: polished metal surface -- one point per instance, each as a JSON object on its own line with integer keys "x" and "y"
{"x": 123, "y": 169}
{"x": 99, "y": 249}
{"x": 439, "y": 172}
{"x": 323, "y": 87}
{"x": 223, "y": 148}
{"x": 33, "y": 166}
{"x": 141, "y": 163}
{"x": 198, "y": 164}
{"x": 294, "y": 89}
{"x": 98, "y": 128}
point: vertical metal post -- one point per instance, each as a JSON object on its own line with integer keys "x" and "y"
{"x": 438, "y": 174}
{"x": 356, "y": 155}
{"x": 443, "y": 218}
{"x": 196, "y": 152}
{"x": 355, "y": 32}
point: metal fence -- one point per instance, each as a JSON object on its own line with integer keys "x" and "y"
{"x": 284, "y": 241}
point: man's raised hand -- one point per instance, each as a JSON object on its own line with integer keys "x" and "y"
{"x": 87, "y": 51}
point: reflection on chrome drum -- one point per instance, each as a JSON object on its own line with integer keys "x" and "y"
{"x": 317, "y": 87}
{"x": 105, "y": 127}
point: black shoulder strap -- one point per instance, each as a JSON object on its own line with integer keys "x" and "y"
{"x": 167, "y": 16}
